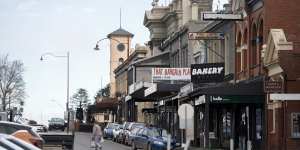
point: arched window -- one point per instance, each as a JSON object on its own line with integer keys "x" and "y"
{"x": 239, "y": 39}
{"x": 260, "y": 36}
{"x": 121, "y": 60}
{"x": 238, "y": 52}
{"x": 245, "y": 50}
{"x": 254, "y": 46}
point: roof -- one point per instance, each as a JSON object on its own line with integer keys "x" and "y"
{"x": 120, "y": 32}
{"x": 14, "y": 124}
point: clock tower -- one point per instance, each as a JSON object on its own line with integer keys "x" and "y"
{"x": 120, "y": 41}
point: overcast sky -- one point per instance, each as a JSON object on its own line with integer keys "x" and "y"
{"x": 30, "y": 28}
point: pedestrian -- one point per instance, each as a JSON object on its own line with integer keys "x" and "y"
{"x": 97, "y": 137}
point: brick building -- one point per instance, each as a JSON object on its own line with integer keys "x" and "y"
{"x": 279, "y": 62}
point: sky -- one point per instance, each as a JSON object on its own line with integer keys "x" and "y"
{"x": 31, "y": 28}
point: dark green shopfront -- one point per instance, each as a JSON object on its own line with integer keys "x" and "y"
{"x": 230, "y": 115}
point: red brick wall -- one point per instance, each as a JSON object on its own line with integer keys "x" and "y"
{"x": 275, "y": 140}
{"x": 284, "y": 14}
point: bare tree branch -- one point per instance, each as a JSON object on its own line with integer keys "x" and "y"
{"x": 12, "y": 84}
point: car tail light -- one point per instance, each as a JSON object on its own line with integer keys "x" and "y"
{"x": 37, "y": 142}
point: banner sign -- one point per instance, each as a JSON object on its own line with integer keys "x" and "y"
{"x": 206, "y": 73}
{"x": 216, "y": 16}
{"x": 171, "y": 74}
{"x": 205, "y": 36}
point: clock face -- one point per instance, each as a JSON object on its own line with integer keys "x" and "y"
{"x": 121, "y": 47}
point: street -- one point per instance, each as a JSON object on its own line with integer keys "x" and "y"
{"x": 82, "y": 142}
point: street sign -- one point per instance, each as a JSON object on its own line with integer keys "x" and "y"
{"x": 205, "y": 36}
{"x": 216, "y": 16}
{"x": 273, "y": 86}
{"x": 284, "y": 97}
{"x": 186, "y": 114}
{"x": 186, "y": 111}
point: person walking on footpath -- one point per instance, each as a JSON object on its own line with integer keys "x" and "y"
{"x": 96, "y": 136}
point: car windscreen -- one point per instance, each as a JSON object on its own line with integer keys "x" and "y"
{"x": 154, "y": 132}
{"x": 57, "y": 120}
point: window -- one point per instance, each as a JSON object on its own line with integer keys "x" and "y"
{"x": 121, "y": 60}
{"x": 226, "y": 124}
{"x": 295, "y": 124}
{"x": 258, "y": 124}
{"x": 106, "y": 116}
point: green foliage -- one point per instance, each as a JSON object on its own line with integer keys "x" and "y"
{"x": 104, "y": 92}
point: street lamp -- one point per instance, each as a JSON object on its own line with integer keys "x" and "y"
{"x": 68, "y": 77}
{"x": 120, "y": 46}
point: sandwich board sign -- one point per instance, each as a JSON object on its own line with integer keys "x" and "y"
{"x": 186, "y": 119}
{"x": 186, "y": 115}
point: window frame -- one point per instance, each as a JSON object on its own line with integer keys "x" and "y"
{"x": 292, "y": 125}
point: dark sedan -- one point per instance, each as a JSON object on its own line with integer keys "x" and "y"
{"x": 151, "y": 138}
{"x": 57, "y": 123}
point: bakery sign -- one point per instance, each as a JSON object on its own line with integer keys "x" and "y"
{"x": 206, "y": 73}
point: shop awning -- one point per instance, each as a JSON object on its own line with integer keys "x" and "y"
{"x": 247, "y": 87}
{"x": 154, "y": 91}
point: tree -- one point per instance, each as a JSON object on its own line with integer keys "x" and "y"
{"x": 104, "y": 92}
{"x": 12, "y": 85}
{"x": 80, "y": 99}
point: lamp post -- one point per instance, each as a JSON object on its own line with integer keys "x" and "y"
{"x": 120, "y": 45}
{"x": 68, "y": 78}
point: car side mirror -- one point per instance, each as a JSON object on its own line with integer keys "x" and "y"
{"x": 143, "y": 135}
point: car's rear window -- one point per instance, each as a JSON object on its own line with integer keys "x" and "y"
{"x": 24, "y": 145}
{"x": 9, "y": 145}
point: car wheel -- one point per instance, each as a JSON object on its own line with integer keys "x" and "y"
{"x": 149, "y": 147}
{"x": 133, "y": 146}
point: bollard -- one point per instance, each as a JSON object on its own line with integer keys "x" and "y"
{"x": 249, "y": 145}
{"x": 231, "y": 144}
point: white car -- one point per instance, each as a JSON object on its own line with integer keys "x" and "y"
{"x": 116, "y": 131}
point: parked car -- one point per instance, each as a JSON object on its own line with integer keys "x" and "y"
{"x": 130, "y": 128}
{"x": 151, "y": 138}
{"x": 121, "y": 136}
{"x": 13, "y": 129}
{"x": 12, "y": 143}
{"x": 116, "y": 131}
{"x": 56, "y": 123}
{"x": 132, "y": 134}
{"x": 108, "y": 130}
{"x": 39, "y": 128}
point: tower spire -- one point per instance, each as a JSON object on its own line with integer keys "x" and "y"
{"x": 120, "y": 18}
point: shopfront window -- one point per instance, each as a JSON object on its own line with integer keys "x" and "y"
{"x": 258, "y": 124}
{"x": 226, "y": 124}
{"x": 295, "y": 121}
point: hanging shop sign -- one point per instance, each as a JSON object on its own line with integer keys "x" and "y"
{"x": 273, "y": 86}
{"x": 285, "y": 97}
{"x": 236, "y": 99}
{"x": 206, "y": 73}
{"x": 216, "y": 16}
{"x": 205, "y": 36}
{"x": 171, "y": 74}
